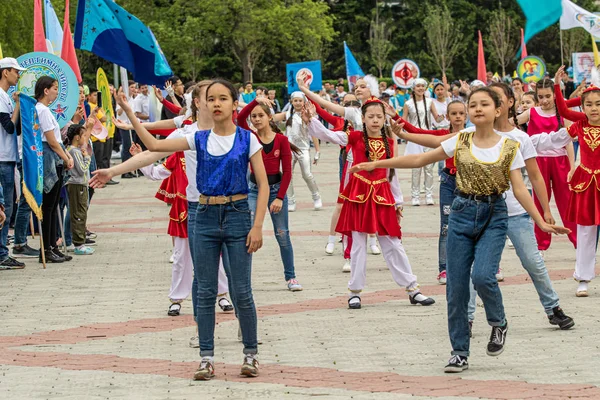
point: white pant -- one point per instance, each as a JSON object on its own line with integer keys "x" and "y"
{"x": 415, "y": 188}
{"x": 182, "y": 274}
{"x": 586, "y": 253}
{"x": 303, "y": 159}
{"x": 395, "y": 258}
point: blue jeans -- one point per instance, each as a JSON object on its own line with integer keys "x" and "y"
{"x": 23, "y": 213}
{"x": 466, "y": 222}
{"x": 520, "y": 232}
{"x": 7, "y": 181}
{"x": 192, "y": 205}
{"x": 217, "y": 228}
{"x": 447, "y": 189}
{"x": 280, "y": 226}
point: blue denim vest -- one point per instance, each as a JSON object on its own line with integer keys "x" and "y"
{"x": 224, "y": 175}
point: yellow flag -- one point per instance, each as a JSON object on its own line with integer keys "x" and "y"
{"x": 515, "y": 75}
{"x": 1, "y": 56}
{"x": 595, "y": 49}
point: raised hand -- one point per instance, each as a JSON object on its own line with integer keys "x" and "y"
{"x": 121, "y": 100}
{"x": 397, "y": 128}
{"x": 265, "y": 101}
{"x": 158, "y": 93}
{"x": 121, "y": 125}
{"x": 135, "y": 149}
{"x": 559, "y": 75}
{"x": 389, "y": 110}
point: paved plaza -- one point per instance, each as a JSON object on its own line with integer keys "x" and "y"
{"x": 97, "y": 327}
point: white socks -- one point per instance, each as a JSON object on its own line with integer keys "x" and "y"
{"x": 418, "y": 297}
{"x": 373, "y": 241}
{"x": 331, "y": 239}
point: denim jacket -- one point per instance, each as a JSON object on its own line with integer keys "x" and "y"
{"x": 51, "y": 162}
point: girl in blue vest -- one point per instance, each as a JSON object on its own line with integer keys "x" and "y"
{"x": 223, "y": 221}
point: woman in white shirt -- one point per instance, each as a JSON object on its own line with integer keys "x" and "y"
{"x": 56, "y": 160}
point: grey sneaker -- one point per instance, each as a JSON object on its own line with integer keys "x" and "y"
{"x": 25, "y": 252}
{"x": 194, "y": 342}
{"x": 11, "y": 263}
{"x": 250, "y": 366}
{"x": 294, "y": 286}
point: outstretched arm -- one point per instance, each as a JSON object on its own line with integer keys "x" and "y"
{"x": 328, "y": 105}
{"x": 561, "y": 104}
{"x": 410, "y": 161}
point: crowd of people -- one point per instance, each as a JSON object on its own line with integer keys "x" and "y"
{"x": 498, "y": 149}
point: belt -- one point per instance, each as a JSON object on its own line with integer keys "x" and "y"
{"x": 447, "y": 171}
{"x": 492, "y": 198}
{"x": 272, "y": 178}
{"x": 219, "y": 200}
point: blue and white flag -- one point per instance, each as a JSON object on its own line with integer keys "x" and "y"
{"x": 33, "y": 155}
{"x": 110, "y": 32}
{"x": 54, "y": 32}
{"x": 353, "y": 70}
{"x": 310, "y": 72}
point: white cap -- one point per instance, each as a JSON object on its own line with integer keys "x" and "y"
{"x": 297, "y": 95}
{"x": 9, "y": 62}
{"x": 476, "y": 83}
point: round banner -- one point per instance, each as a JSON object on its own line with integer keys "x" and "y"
{"x": 39, "y": 64}
{"x": 531, "y": 69}
{"x": 107, "y": 107}
{"x": 405, "y": 72}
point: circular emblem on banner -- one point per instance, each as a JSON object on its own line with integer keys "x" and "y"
{"x": 405, "y": 72}
{"x": 104, "y": 88}
{"x": 39, "y": 64}
{"x": 306, "y": 74}
{"x": 531, "y": 69}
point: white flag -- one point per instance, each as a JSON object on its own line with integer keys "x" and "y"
{"x": 574, "y": 16}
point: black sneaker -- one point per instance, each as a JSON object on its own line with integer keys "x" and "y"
{"x": 112, "y": 182}
{"x": 496, "y": 345}
{"x": 58, "y": 253}
{"x": 11, "y": 263}
{"x": 127, "y": 175}
{"x": 90, "y": 242}
{"x": 51, "y": 257}
{"x": 559, "y": 318}
{"x": 456, "y": 364}
{"x": 90, "y": 235}
{"x": 25, "y": 252}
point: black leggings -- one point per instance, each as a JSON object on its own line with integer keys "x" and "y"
{"x": 49, "y": 212}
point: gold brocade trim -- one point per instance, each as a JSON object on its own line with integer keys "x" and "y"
{"x": 582, "y": 187}
{"x": 589, "y": 171}
{"x": 171, "y": 195}
{"x": 37, "y": 210}
{"x": 367, "y": 181}
{"x": 591, "y": 136}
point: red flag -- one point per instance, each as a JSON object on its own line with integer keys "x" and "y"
{"x": 68, "y": 48}
{"x": 39, "y": 39}
{"x": 523, "y": 46}
{"x": 481, "y": 72}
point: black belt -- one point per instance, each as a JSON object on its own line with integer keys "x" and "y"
{"x": 492, "y": 198}
{"x": 273, "y": 178}
{"x": 447, "y": 171}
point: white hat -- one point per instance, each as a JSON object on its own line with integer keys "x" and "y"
{"x": 419, "y": 81}
{"x": 476, "y": 83}
{"x": 297, "y": 95}
{"x": 9, "y": 62}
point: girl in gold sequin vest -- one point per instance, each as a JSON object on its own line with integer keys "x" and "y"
{"x": 487, "y": 164}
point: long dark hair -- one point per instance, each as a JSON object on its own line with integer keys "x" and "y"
{"x": 74, "y": 130}
{"x": 547, "y": 83}
{"x": 510, "y": 94}
{"x": 43, "y": 83}
{"x": 276, "y": 129}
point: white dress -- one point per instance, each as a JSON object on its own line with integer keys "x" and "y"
{"x": 412, "y": 118}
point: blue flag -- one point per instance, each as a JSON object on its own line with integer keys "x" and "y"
{"x": 540, "y": 14}
{"x": 33, "y": 155}
{"x": 353, "y": 70}
{"x": 54, "y": 32}
{"x": 110, "y": 32}
{"x": 309, "y": 70}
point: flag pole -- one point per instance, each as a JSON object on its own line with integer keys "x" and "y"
{"x": 62, "y": 228}
{"x": 562, "y": 61}
{"x": 31, "y": 225}
{"x": 42, "y": 251}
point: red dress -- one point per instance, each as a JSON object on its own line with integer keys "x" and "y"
{"x": 173, "y": 191}
{"x": 369, "y": 205}
{"x": 584, "y": 203}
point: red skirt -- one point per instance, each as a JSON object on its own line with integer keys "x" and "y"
{"x": 343, "y": 181}
{"x": 584, "y": 207}
{"x": 368, "y": 217}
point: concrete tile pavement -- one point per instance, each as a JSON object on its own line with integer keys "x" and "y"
{"x": 97, "y": 328}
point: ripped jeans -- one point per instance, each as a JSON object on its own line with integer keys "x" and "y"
{"x": 280, "y": 225}
{"x": 447, "y": 188}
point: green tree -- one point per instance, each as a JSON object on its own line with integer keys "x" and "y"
{"x": 380, "y": 36}
{"x": 444, "y": 38}
{"x": 503, "y": 38}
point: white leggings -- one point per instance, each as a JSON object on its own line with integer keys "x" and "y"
{"x": 395, "y": 258}
{"x": 182, "y": 274}
{"x": 586, "y": 253}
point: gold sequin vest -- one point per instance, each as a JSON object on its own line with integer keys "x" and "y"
{"x": 477, "y": 177}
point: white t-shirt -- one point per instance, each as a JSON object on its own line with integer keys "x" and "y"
{"x": 191, "y": 162}
{"x": 486, "y": 155}
{"x": 123, "y": 116}
{"x": 219, "y": 145}
{"x": 142, "y": 104}
{"x": 8, "y": 142}
{"x": 48, "y": 122}
{"x": 441, "y": 107}
{"x": 527, "y": 150}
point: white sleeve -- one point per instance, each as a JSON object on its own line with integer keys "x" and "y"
{"x": 449, "y": 145}
{"x": 137, "y": 105}
{"x": 255, "y": 145}
{"x": 176, "y": 134}
{"x": 155, "y": 172}
{"x": 552, "y": 140}
{"x": 517, "y": 162}
{"x": 396, "y": 190}
{"x": 353, "y": 115}
{"x": 318, "y": 130}
{"x": 46, "y": 120}
{"x": 178, "y": 121}
{"x": 527, "y": 149}
{"x": 5, "y": 107}
{"x": 191, "y": 141}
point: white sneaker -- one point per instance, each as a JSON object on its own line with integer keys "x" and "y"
{"x": 172, "y": 259}
{"x": 346, "y": 267}
{"x": 318, "y": 203}
{"x": 429, "y": 200}
{"x": 71, "y": 248}
{"x": 291, "y": 207}
{"x": 509, "y": 243}
{"x": 499, "y": 275}
{"x": 194, "y": 342}
{"x": 416, "y": 201}
{"x": 582, "y": 289}
{"x": 294, "y": 286}
{"x": 375, "y": 249}
{"x": 330, "y": 248}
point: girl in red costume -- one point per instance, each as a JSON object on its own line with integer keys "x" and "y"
{"x": 370, "y": 204}
{"x": 554, "y": 164}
